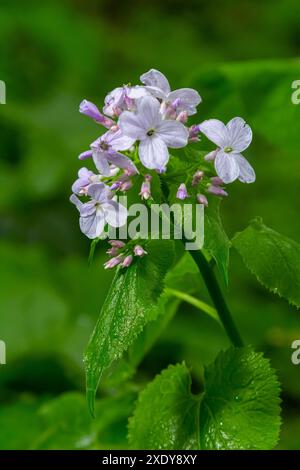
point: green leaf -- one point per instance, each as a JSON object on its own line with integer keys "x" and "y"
{"x": 166, "y": 413}
{"x": 130, "y": 304}
{"x": 126, "y": 367}
{"x": 273, "y": 258}
{"x": 65, "y": 423}
{"x": 216, "y": 242}
{"x": 240, "y": 406}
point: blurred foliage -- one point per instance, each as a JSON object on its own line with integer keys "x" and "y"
{"x": 52, "y": 55}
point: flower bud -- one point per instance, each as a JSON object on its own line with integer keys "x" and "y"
{"x": 197, "y": 177}
{"x": 112, "y": 262}
{"x": 116, "y": 243}
{"x": 145, "y": 192}
{"x": 216, "y": 191}
{"x": 85, "y": 155}
{"x": 127, "y": 261}
{"x": 216, "y": 181}
{"x": 202, "y": 199}
{"x": 139, "y": 251}
{"x": 91, "y": 110}
{"x": 182, "y": 192}
{"x": 194, "y": 133}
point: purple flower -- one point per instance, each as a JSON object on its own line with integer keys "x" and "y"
{"x": 127, "y": 261}
{"x": 85, "y": 178}
{"x": 184, "y": 99}
{"x": 105, "y": 151}
{"x": 182, "y": 192}
{"x": 139, "y": 251}
{"x": 154, "y": 133}
{"x": 231, "y": 140}
{"x": 100, "y": 210}
{"x": 91, "y": 110}
{"x": 122, "y": 98}
{"x": 202, "y": 199}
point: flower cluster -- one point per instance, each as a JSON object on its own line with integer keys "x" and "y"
{"x": 122, "y": 254}
{"x": 142, "y": 123}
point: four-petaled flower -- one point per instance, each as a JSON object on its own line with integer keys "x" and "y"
{"x": 231, "y": 140}
{"x": 183, "y": 99}
{"x": 154, "y": 133}
{"x": 101, "y": 209}
{"x": 105, "y": 151}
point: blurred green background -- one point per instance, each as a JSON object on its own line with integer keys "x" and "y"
{"x": 242, "y": 58}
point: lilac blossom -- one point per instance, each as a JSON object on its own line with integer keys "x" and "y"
{"x": 91, "y": 110}
{"x": 231, "y": 139}
{"x": 122, "y": 98}
{"x": 101, "y": 209}
{"x": 182, "y": 192}
{"x": 183, "y": 99}
{"x": 105, "y": 151}
{"x": 154, "y": 133}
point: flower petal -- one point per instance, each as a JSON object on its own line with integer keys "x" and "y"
{"x": 99, "y": 192}
{"x": 74, "y": 199}
{"x": 136, "y": 92}
{"x": 188, "y": 97}
{"x": 215, "y": 131}
{"x": 118, "y": 140}
{"x": 148, "y": 112}
{"x": 173, "y": 133}
{"x": 240, "y": 134}
{"x": 87, "y": 209}
{"x": 153, "y": 153}
{"x": 115, "y": 213}
{"x": 100, "y": 160}
{"x": 154, "y": 78}
{"x": 131, "y": 126}
{"x": 122, "y": 161}
{"x": 247, "y": 173}
{"x": 93, "y": 225}
{"x": 226, "y": 167}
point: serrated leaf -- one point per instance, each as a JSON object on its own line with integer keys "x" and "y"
{"x": 273, "y": 258}
{"x": 166, "y": 413}
{"x": 130, "y": 304}
{"x": 240, "y": 407}
{"x": 216, "y": 242}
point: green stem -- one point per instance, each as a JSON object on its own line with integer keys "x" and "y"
{"x": 217, "y": 298}
{"x": 213, "y": 288}
{"x": 195, "y": 302}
